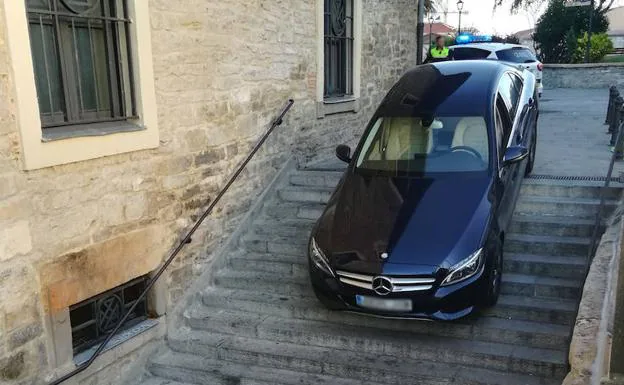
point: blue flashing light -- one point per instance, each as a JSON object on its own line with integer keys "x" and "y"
{"x": 465, "y": 38}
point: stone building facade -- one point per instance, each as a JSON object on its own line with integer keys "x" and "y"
{"x": 87, "y": 206}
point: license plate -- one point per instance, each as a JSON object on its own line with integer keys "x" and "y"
{"x": 398, "y": 305}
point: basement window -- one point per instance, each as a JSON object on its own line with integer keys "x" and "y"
{"x": 94, "y": 318}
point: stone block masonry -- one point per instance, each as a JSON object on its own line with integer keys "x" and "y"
{"x": 222, "y": 69}
{"x": 594, "y": 75}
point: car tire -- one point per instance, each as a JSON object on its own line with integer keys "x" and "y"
{"x": 493, "y": 278}
{"x": 532, "y": 152}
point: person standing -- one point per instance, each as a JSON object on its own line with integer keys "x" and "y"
{"x": 439, "y": 52}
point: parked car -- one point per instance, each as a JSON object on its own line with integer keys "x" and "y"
{"x": 512, "y": 53}
{"x": 415, "y": 227}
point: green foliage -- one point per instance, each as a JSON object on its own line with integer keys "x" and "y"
{"x": 601, "y": 45}
{"x": 552, "y": 31}
{"x": 571, "y": 42}
{"x": 511, "y": 39}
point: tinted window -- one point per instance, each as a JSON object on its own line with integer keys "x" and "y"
{"x": 509, "y": 88}
{"x": 516, "y": 55}
{"x": 469, "y": 53}
{"x": 503, "y": 125}
{"x": 413, "y": 145}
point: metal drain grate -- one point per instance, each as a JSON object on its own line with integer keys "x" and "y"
{"x": 580, "y": 178}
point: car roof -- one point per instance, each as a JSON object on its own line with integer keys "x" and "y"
{"x": 490, "y": 46}
{"x": 452, "y": 88}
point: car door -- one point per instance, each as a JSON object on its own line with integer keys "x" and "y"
{"x": 503, "y": 126}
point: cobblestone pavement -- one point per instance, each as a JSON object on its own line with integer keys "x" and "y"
{"x": 572, "y": 137}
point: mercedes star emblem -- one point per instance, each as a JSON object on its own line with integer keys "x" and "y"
{"x": 382, "y": 285}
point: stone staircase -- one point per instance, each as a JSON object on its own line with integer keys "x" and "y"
{"x": 259, "y": 322}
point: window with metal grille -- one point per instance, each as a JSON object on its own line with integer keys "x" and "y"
{"x": 82, "y": 62}
{"x": 93, "y": 319}
{"x": 338, "y": 48}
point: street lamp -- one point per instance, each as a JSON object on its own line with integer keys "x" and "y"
{"x": 431, "y": 20}
{"x": 460, "y": 6}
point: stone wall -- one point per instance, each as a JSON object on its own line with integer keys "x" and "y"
{"x": 222, "y": 70}
{"x": 593, "y": 328}
{"x": 597, "y": 75}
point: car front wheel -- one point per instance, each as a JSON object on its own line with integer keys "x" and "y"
{"x": 493, "y": 278}
{"x": 532, "y": 151}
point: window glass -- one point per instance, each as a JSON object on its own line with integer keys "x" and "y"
{"x": 509, "y": 89}
{"x": 503, "y": 125}
{"x": 415, "y": 145}
{"x": 469, "y": 53}
{"x": 338, "y": 32}
{"x": 81, "y": 60}
{"x": 516, "y": 55}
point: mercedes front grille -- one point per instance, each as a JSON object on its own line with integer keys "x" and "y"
{"x": 399, "y": 284}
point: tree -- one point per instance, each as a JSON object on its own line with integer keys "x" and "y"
{"x": 552, "y": 32}
{"x": 601, "y": 5}
{"x": 601, "y": 45}
{"x": 511, "y": 39}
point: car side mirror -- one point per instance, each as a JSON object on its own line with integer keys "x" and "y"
{"x": 515, "y": 154}
{"x": 343, "y": 152}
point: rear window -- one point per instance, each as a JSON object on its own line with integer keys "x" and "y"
{"x": 469, "y": 53}
{"x": 516, "y": 55}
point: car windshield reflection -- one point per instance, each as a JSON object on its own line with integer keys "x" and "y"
{"x": 423, "y": 145}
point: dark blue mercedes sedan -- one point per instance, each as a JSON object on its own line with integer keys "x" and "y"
{"x": 416, "y": 226}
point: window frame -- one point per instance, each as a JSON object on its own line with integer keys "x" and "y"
{"x": 60, "y": 145}
{"x": 347, "y": 103}
{"x": 118, "y": 80}
{"x": 342, "y": 54}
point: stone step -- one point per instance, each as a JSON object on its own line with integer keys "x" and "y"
{"x": 399, "y": 343}
{"x": 269, "y": 262}
{"x": 316, "y": 178}
{"x": 160, "y": 381}
{"x": 546, "y": 245}
{"x": 295, "y": 228}
{"x": 264, "y": 282}
{"x": 567, "y": 189}
{"x": 274, "y": 244}
{"x": 556, "y": 311}
{"x": 536, "y": 286}
{"x": 557, "y": 226}
{"x": 561, "y": 206}
{"x": 305, "y": 194}
{"x": 481, "y": 328}
{"x": 300, "y": 292}
{"x": 339, "y": 362}
{"x": 277, "y": 209}
{"x": 546, "y": 266}
{"x": 200, "y": 370}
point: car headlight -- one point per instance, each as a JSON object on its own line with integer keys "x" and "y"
{"x": 319, "y": 258}
{"x": 465, "y": 268}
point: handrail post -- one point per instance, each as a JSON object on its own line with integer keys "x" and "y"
{"x": 278, "y": 121}
{"x": 616, "y": 93}
{"x": 617, "y": 343}
{"x": 612, "y": 95}
{"x": 614, "y": 124}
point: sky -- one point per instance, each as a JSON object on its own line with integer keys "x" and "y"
{"x": 480, "y": 15}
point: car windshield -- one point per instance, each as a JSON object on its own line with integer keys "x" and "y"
{"x": 417, "y": 146}
{"x": 469, "y": 53}
{"x": 516, "y": 55}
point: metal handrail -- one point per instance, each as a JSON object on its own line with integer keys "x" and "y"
{"x": 603, "y": 193}
{"x": 183, "y": 242}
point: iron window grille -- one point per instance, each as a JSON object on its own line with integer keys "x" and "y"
{"x": 93, "y": 319}
{"x": 338, "y": 48}
{"x": 82, "y": 60}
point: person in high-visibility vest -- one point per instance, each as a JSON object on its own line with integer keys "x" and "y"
{"x": 439, "y": 52}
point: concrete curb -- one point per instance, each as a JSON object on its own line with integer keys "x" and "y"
{"x": 589, "y": 346}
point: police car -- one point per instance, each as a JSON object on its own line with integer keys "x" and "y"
{"x": 471, "y": 47}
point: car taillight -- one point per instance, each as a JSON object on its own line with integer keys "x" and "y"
{"x": 540, "y": 66}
